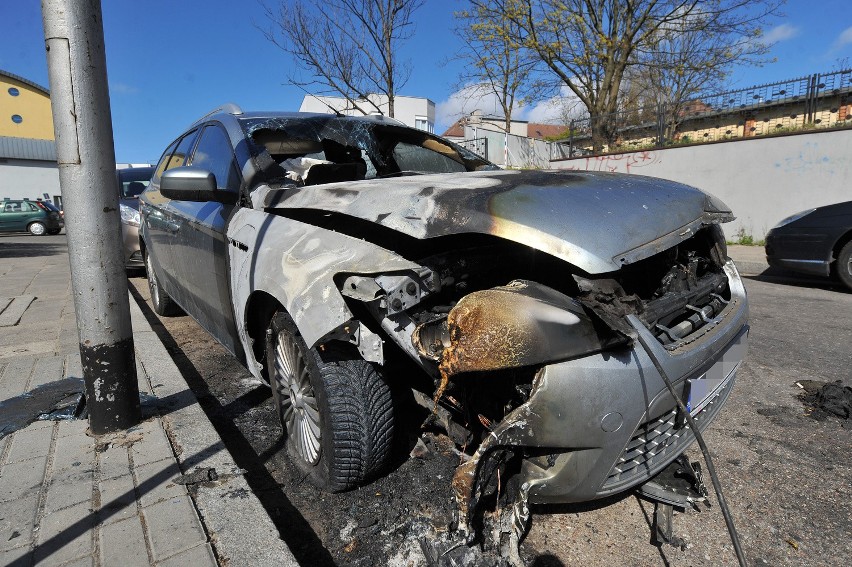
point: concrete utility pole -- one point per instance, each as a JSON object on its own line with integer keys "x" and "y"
{"x": 76, "y": 63}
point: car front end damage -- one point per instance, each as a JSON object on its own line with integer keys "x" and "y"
{"x": 546, "y": 385}
{"x": 527, "y": 299}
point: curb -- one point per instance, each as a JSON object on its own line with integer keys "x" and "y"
{"x": 238, "y": 525}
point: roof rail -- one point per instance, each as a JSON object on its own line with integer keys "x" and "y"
{"x": 227, "y": 108}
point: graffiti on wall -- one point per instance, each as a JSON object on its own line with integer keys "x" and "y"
{"x": 617, "y": 163}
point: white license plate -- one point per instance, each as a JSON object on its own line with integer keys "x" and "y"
{"x": 703, "y": 388}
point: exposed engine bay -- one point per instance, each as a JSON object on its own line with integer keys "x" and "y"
{"x": 483, "y": 320}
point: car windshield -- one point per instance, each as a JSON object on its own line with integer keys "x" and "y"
{"x": 350, "y": 149}
{"x": 131, "y": 182}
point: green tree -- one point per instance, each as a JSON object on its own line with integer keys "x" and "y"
{"x": 346, "y": 48}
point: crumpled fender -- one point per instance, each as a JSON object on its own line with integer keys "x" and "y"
{"x": 296, "y": 263}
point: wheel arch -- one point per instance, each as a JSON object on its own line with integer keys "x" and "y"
{"x": 844, "y": 240}
{"x": 260, "y": 308}
{"x": 841, "y": 242}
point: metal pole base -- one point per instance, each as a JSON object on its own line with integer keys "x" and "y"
{"x": 111, "y": 389}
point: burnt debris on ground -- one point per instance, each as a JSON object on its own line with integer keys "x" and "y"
{"x": 62, "y": 399}
{"x": 825, "y": 399}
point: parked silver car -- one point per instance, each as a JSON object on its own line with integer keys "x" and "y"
{"x": 131, "y": 182}
{"x": 316, "y": 247}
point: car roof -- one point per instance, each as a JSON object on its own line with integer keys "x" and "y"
{"x": 232, "y": 111}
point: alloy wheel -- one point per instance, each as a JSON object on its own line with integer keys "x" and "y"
{"x": 299, "y": 409}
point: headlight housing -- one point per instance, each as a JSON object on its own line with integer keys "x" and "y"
{"x": 129, "y": 215}
{"x": 792, "y": 218}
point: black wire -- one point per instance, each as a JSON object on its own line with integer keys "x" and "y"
{"x": 711, "y": 470}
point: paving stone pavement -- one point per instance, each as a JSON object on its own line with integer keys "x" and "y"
{"x": 68, "y": 498}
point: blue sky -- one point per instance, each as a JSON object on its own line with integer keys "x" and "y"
{"x": 171, "y": 61}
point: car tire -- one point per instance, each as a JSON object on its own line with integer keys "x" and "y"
{"x": 336, "y": 409}
{"x": 54, "y": 231}
{"x": 843, "y": 265}
{"x": 37, "y": 229}
{"x": 160, "y": 300}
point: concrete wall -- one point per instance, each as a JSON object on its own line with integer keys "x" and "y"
{"x": 762, "y": 180}
{"x": 25, "y": 178}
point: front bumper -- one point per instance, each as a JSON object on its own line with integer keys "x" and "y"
{"x": 605, "y": 423}
{"x": 130, "y": 242}
{"x": 807, "y": 252}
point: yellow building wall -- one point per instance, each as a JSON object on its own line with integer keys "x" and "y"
{"x": 31, "y": 105}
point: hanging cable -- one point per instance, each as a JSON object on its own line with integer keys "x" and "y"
{"x": 711, "y": 470}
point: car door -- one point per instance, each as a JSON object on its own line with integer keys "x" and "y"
{"x": 200, "y": 249}
{"x": 16, "y": 215}
{"x": 160, "y": 230}
{"x": 6, "y": 216}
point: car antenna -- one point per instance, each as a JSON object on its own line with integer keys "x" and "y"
{"x": 331, "y": 108}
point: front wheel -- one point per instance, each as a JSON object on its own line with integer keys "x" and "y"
{"x": 160, "y": 300}
{"x": 37, "y": 229}
{"x": 336, "y": 410}
{"x": 843, "y": 265}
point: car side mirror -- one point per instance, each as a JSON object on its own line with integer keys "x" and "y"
{"x": 193, "y": 184}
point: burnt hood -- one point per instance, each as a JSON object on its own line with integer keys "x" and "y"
{"x": 595, "y": 221}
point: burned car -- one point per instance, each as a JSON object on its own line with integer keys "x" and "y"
{"x": 541, "y": 309}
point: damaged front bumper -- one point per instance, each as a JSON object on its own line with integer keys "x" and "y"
{"x": 605, "y": 423}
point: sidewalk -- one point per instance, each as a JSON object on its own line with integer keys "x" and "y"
{"x": 750, "y": 260}
{"x": 164, "y": 493}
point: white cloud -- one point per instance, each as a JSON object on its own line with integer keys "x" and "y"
{"x": 845, "y": 38}
{"x": 473, "y": 97}
{"x": 554, "y": 110}
{"x": 463, "y": 102}
{"x": 780, "y": 33}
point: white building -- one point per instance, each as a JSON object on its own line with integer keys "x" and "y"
{"x": 412, "y": 111}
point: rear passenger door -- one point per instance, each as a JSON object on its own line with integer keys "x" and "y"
{"x": 200, "y": 250}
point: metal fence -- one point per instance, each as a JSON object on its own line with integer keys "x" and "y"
{"x": 815, "y": 101}
{"x": 508, "y": 150}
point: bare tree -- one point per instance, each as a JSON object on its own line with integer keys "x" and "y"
{"x": 347, "y": 48}
{"x": 681, "y": 61}
{"x": 495, "y": 63}
{"x": 590, "y": 44}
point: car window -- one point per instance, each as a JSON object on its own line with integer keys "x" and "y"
{"x": 418, "y": 158}
{"x": 178, "y": 157}
{"x": 214, "y": 154}
{"x": 161, "y": 166}
{"x": 12, "y": 206}
{"x": 49, "y": 206}
{"x": 30, "y": 207}
{"x": 131, "y": 182}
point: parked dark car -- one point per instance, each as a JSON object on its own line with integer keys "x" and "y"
{"x": 131, "y": 182}
{"x": 536, "y": 306}
{"x": 36, "y": 217}
{"x": 816, "y": 241}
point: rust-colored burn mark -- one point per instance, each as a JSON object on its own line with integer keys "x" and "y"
{"x": 464, "y": 481}
{"x": 487, "y": 331}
